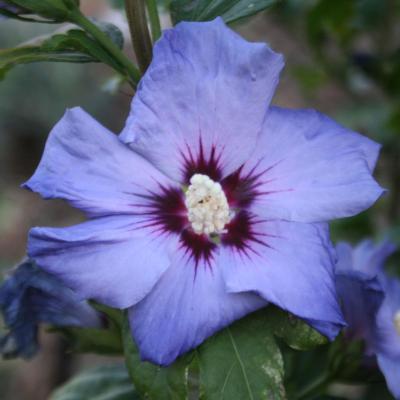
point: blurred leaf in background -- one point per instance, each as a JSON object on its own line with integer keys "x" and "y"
{"x": 206, "y": 10}
{"x": 109, "y": 382}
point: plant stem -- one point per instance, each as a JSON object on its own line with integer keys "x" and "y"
{"x": 315, "y": 388}
{"x": 136, "y": 13}
{"x": 79, "y": 19}
{"x": 154, "y": 19}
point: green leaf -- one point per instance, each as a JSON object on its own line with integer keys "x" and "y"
{"x": 74, "y": 46}
{"x": 112, "y": 31}
{"x": 151, "y": 381}
{"x": 346, "y": 362}
{"x": 57, "y": 10}
{"x": 10, "y": 58}
{"x": 293, "y": 331}
{"x": 242, "y": 361}
{"x": 14, "y": 12}
{"x": 109, "y": 382}
{"x": 77, "y": 40}
{"x": 306, "y": 371}
{"x": 206, "y": 10}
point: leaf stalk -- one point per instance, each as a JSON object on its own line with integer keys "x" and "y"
{"x": 79, "y": 19}
{"x": 136, "y": 13}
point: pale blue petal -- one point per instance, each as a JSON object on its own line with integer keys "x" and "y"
{"x": 205, "y": 88}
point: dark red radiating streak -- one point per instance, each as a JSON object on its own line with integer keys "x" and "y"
{"x": 167, "y": 212}
{"x": 199, "y": 247}
{"x": 242, "y": 189}
{"x": 209, "y": 166}
{"x": 239, "y": 190}
{"x": 241, "y": 234}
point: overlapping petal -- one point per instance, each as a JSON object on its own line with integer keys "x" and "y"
{"x": 370, "y": 258}
{"x": 187, "y": 305}
{"x": 390, "y": 368}
{"x": 204, "y": 95}
{"x": 370, "y": 300}
{"x": 387, "y": 338}
{"x": 361, "y": 297}
{"x": 360, "y": 273}
{"x": 87, "y": 165}
{"x": 289, "y": 264}
{"x": 310, "y": 169}
{"x": 30, "y": 296}
{"x": 113, "y": 260}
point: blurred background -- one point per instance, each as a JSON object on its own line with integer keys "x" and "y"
{"x": 342, "y": 57}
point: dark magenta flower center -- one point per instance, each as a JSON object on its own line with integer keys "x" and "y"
{"x": 168, "y": 213}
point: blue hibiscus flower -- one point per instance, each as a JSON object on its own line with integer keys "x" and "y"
{"x": 211, "y": 203}
{"x": 371, "y": 304}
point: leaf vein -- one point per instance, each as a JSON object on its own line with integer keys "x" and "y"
{"x": 241, "y": 364}
{"x": 227, "y": 378}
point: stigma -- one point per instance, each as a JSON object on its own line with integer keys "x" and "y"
{"x": 207, "y": 206}
{"x": 397, "y": 321}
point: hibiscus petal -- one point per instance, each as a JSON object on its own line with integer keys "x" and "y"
{"x": 360, "y": 296}
{"x": 370, "y": 298}
{"x": 204, "y": 95}
{"x": 311, "y": 169}
{"x": 390, "y": 369}
{"x": 344, "y": 254}
{"x": 110, "y": 259}
{"x": 289, "y": 264}
{"x": 370, "y": 258}
{"x": 30, "y": 296}
{"x": 387, "y": 338}
{"x": 186, "y": 306}
{"x": 87, "y": 165}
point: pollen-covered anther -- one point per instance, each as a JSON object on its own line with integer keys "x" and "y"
{"x": 208, "y": 209}
{"x": 397, "y": 321}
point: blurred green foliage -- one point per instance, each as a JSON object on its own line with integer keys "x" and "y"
{"x": 35, "y": 96}
{"x": 108, "y": 382}
{"x": 206, "y": 10}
